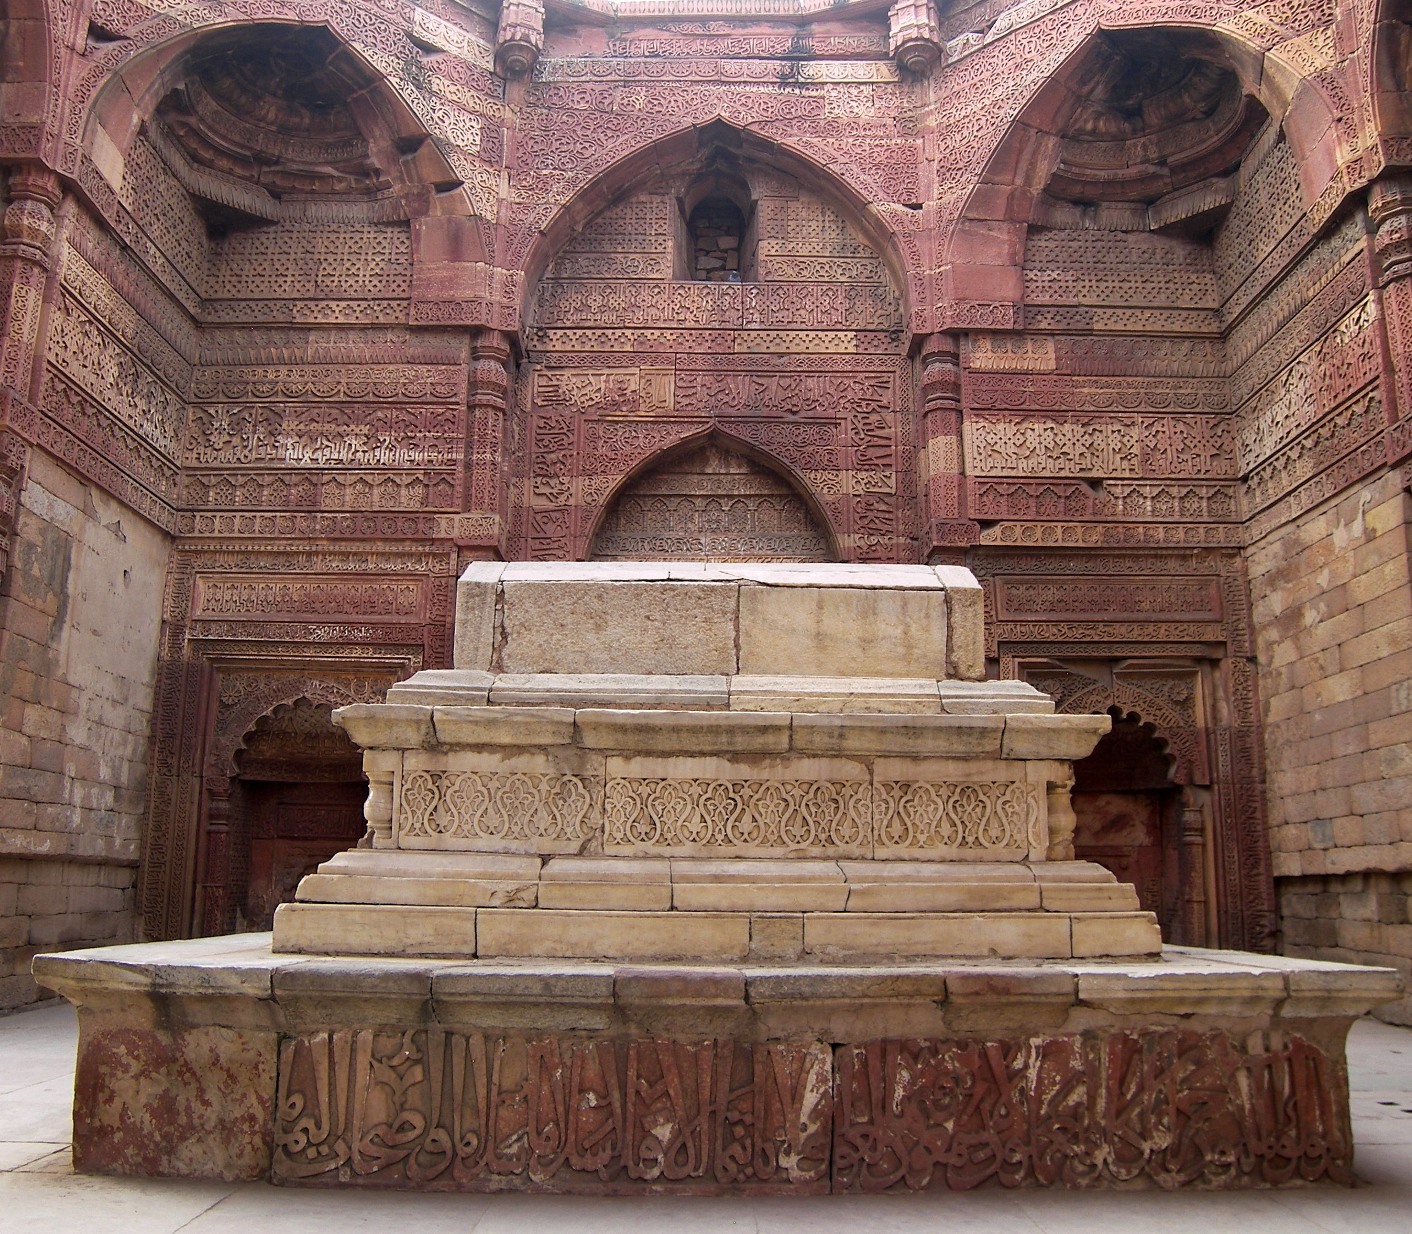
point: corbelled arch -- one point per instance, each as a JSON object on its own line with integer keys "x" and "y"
{"x": 797, "y": 351}
{"x": 1389, "y": 81}
{"x": 30, "y": 43}
{"x": 686, "y": 148}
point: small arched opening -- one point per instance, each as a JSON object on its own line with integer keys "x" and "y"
{"x": 296, "y": 799}
{"x": 1131, "y": 818}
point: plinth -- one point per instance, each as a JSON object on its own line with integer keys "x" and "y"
{"x": 710, "y": 878}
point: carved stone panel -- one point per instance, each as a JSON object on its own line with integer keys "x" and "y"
{"x": 444, "y": 1110}
{"x": 712, "y": 504}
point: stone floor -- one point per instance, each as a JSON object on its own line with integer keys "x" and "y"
{"x": 39, "y": 1191}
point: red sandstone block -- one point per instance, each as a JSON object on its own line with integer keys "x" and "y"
{"x": 1390, "y": 794}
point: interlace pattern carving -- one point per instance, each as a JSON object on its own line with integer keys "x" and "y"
{"x": 988, "y": 816}
{"x": 479, "y": 806}
{"x": 684, "y": 815}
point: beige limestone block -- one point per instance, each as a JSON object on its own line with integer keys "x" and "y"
{"x": 824, "y": 574}
{"x": 504, "y": 726}
{"x": 776, "y": 936}
{"x": 377, "y": 889}
{"x": 1009, "y": 999}
{"x": 1089, "y": 897}
{"x": 549, "y": 996}
{"x": 476, "y": 594}
{"x": 387, "y": 725}
{"x": 965, "y": 602}
{"x": 1168, "y": 990}
{"x": 1072, "y": 872}
{"x": 758, "y": 896}
{"x": 684, "y": 732}
{"x": 613, "y": 935}
{"x": 1115, "y": 934}
{"x": 391, "y": 863}
{"x": 1020, "y": 935}
{"x": 633, "y": 691}
{"x": 969, "y": 873}
{"x": 702, "y": 986}
{"x": 992, "y": 698}
{"x": 1057, "y": 737}
{"x": 443, "y": 688}
{"x": 495, "y": 800}
{"x": 954, "y": 809}
{"x": 941, "y": 897}
{"x": 931, "y": 736}
{"x": 618, "y": 627}
{"x": 886, "y": 696}
{"x": 842, "y": 631}
{"x": 746, "y": 870}
{"x": 606, "y": 883}
{"x": 375, "y": 930}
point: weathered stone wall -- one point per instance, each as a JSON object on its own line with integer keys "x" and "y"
{"x": 1333, "y": 621}
{"x": 78, "y": 659}
{"x": 1362, "y": 918}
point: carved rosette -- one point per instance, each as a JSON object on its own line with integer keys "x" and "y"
{"x": 520, "y": 37}
{"x": 914, "y": 35}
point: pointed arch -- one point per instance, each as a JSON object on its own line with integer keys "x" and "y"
{"x": 685, "y": 149}
{"x": 700, "y": 443}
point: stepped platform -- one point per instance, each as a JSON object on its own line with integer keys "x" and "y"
{"x": 711, "y": 878}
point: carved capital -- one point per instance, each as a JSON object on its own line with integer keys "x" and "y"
{"x": 941, "y": 373}
{"x": 28, "y": 225}
{"x": 914, "y": 35}
{"x": 1390, "y": 209}
{"x": 520, "y": 37}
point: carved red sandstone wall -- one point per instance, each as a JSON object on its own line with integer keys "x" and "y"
{"x": 327, "y": 354}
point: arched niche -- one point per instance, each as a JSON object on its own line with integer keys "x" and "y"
{"x": 294, "y": 799}
{"x": 801, "y": 357}
{"x": 710, "y": 500}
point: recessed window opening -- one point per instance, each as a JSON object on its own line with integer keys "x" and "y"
{"x": 716, "y": 228}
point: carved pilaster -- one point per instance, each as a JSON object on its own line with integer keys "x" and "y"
{"x": 914, "y": 35}
{"x": 27, "y": 232}
{"x": 948, "y": 529}
{"x": 1390, "y": 211}
{"x": 487, "y": 398}
{"x": 520, "y": 37}
{"x": 1062, "y": 820}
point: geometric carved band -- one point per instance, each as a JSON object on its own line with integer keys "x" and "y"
{"x": 663, "y": 816}
{"x": 447, "y": 1110}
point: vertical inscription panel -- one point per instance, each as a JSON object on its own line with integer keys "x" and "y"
{"x": 448, "y": 1111}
